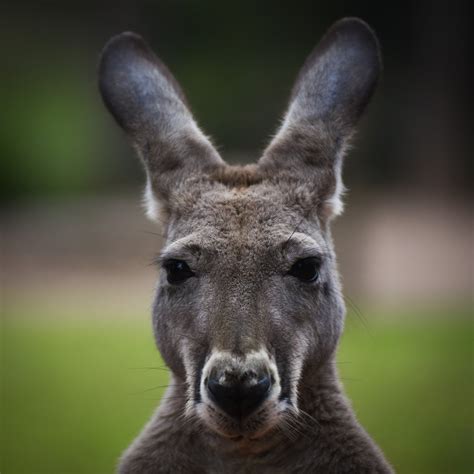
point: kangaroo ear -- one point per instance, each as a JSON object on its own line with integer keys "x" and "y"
{"x": 330, "y": 94}
{"x": 147, "y": 102}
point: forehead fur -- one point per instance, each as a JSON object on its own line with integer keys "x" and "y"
{"x": 242, "y": 187}
{"x": 258, "y": 213}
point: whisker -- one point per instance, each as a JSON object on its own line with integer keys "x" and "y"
{"x": 293, "y": 233}
{"x": 186, "y": 336}
{"x": 351, "y": 379}
{"x": 174, "y": 397}
{"x": 310, "y": 417}
{"x": 150, "y": 368}
{"x": 286, "y": 430}
{"x": 357, "y": 311}
{"x": 158, "y": 234}
{"x": 160, "y": 386}
{"x": 297, "y": 424}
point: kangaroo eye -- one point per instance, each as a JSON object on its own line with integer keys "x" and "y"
{"x": 306, "y": 269}
{"x": 177, "y": 271}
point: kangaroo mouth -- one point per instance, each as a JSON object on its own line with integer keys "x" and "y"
{"x": 250, "y": 428}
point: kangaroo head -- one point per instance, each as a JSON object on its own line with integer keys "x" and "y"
{"x": 248, "y": 299}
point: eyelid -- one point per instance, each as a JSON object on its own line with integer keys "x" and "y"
{"x": 161, "y": 259}
{"x": 164, "y": 259}
{"x": 302, "y": 246}
{"x": 179, "y": 251}
{"x": 319, "y": 257}
{"x": 167, "y": 255}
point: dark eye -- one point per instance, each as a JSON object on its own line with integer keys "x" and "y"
{"x": 306, "y": 269}
{"x": 177, "y": 271}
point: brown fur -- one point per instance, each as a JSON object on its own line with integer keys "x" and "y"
{"x": 238, "y": 176}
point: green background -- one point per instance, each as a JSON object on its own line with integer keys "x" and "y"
{"x": 77, "y": 393}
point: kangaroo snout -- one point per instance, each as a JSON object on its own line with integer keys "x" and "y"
{"x": 239, "y": 385}
{"x": 239, "y": 393}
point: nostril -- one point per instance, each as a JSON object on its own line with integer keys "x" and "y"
{"x": 227, "y": 397}
{"x": 264, "y": 384}
{"x": 256, "y": 393}
{"x": 215, "y": 387}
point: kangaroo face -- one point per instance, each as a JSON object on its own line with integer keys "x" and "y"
{"x": 248, "y": 295}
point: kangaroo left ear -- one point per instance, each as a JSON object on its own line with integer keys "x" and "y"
{"x": 148, "y": 103}
{"x": 330, "y": 94}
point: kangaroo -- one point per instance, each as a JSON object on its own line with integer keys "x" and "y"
{"x": 248, "y": 308}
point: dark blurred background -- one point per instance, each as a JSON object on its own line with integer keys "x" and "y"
{"x": 236, "y": 61}
{"x": 75, "y": 270}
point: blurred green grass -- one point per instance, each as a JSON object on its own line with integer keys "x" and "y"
{"x": 75, "y": 393}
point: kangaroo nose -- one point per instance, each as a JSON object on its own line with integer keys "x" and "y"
{"x": 239, "y": 396}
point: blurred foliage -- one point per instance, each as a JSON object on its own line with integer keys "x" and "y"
{"x": 78, "y": 393}
{"x": 236, "y": 61}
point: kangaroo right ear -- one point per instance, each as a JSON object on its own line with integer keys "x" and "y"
{"x": 147, "y": 102}
{"x": 331, "y": 92}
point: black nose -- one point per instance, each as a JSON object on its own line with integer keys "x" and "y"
{"x": 239, "y": 396}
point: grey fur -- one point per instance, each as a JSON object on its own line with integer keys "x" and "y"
{"x": 240, "y": 229}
